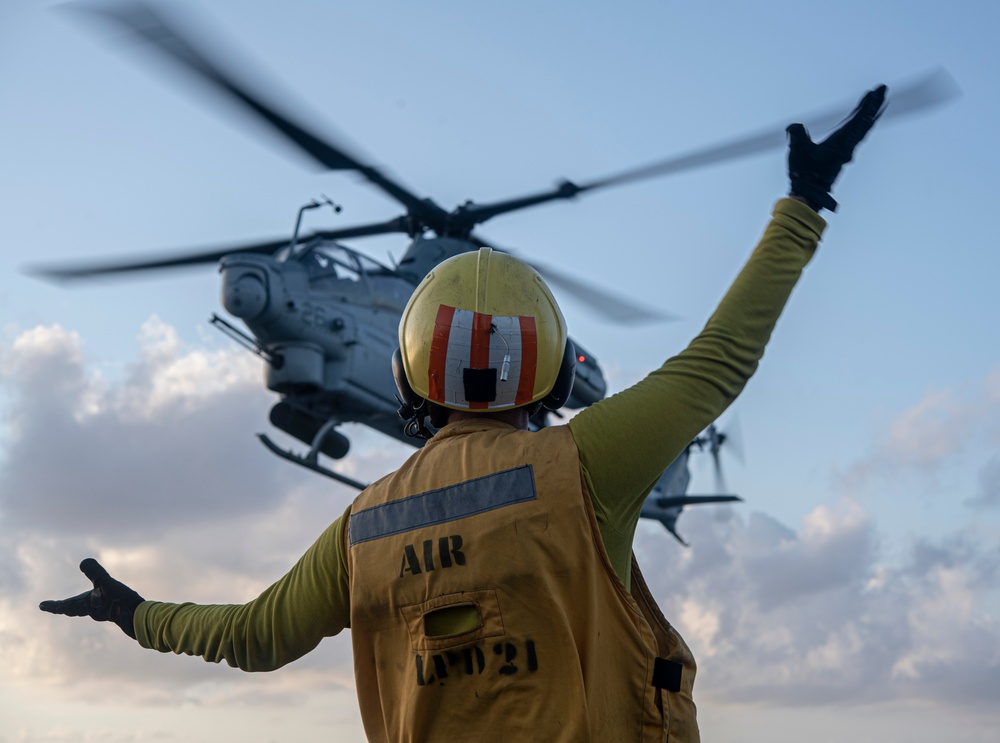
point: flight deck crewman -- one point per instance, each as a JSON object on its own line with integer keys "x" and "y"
{"x": 489, "y": 582}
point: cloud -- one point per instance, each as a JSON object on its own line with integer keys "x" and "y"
{"x": 955, "y": 427}
{"x": 989, "y": 486}
{"x": 929, "y": 432}
{"x": 170, "y": 443}
{"x": 158, "y": 475}
{"x": 816, "y": 617}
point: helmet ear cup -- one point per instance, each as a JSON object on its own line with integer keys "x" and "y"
{"x": 561, "y": 390}
{"x": 410, "y": 400}
{"x": 412, "y": 407}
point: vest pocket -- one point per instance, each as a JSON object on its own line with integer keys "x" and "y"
{"x": 453, "y": 620}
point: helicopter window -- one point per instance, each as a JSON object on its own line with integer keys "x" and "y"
{"x": 343, "y": 263}
{"x": 320, "y": 263}
{"x": 325, "y": 259}
{"x": 372, "y": 267}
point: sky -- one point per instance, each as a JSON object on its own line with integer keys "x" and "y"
{"x": 855, "y": 592}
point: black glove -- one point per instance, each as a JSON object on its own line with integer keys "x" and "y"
{"x": 813, "y": 167}
{"x": 109, "y": 601}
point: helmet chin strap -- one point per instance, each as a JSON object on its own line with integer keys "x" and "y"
{"x": 414, "y": 414}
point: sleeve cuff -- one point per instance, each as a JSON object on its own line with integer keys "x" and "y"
{"x": 799, "y": 217}
{"x": 139, "y": 622}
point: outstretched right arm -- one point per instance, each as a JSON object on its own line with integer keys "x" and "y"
{"x": 286, "y": 621}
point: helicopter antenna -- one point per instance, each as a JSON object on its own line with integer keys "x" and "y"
{"x": 314, "y": 204}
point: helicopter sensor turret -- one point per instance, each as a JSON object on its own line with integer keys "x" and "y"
{"x": 244, "y": 285}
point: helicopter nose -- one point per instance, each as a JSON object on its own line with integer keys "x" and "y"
{"x": 244, "y": 295}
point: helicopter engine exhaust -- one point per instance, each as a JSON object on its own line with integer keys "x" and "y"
{"x": 589, "y": 385}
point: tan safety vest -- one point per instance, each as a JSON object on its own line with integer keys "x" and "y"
{"x": 500, "y": 520}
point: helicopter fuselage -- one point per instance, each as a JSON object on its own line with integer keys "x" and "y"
{"x": 325, "y": 319}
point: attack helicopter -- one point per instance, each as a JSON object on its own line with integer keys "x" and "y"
{"x": 669, "y": 496}
{"x": 323, "y": 316}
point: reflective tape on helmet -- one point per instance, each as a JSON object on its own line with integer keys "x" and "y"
{"x": 464, "y": 341}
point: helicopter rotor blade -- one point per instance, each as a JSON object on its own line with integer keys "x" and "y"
{"x": 611, "y": 306}
{"x": 734, "y": 439}
{"x": 473, "y": 214}
{"x": 150, "y": 25}
{"x": 608, "y": 305}
{"x": 923, "y": 93}
{"x": 398, "y": 224}
{"x": 98, "y": 269}
{"x": 720, "y": 480}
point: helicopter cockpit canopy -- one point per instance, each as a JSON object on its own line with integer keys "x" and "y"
{"x": 325, "y": 259}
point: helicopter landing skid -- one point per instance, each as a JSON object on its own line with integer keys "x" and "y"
{"x": 311, "y": 459}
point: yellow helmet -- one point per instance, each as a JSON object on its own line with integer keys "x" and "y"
{"x": 482, "y": 332}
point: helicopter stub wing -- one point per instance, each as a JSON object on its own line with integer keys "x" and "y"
{"x": 675, "y": 501}
{"x": 667, "y": 509}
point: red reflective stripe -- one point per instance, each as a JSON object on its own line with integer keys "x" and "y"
{"x": 480, "y": 354}
{"x": 529, "y": 359}
{"x": 439, "y": 353}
